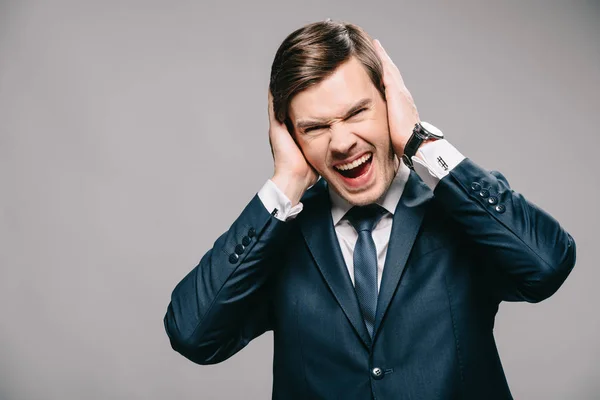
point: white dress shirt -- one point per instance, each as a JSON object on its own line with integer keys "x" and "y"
{"x": 435, "y": 161}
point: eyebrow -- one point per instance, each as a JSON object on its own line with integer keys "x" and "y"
{"x": 303, "y": 124}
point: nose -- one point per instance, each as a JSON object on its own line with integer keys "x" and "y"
{"x": 342, "y": 141}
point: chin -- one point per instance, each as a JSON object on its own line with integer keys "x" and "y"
{"x": 362, "y": 198}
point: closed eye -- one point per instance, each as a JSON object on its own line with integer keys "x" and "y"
{"x": 319, "y": 127}
{"x": 314, "y": 128}
{"x": 356, "y": 112}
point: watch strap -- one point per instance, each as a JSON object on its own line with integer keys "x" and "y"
{"x": 413, "y": 144}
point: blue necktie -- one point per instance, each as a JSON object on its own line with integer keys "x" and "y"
{"x": 364, "y": 220}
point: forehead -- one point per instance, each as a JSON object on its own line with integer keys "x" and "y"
{"x": 333, "y": 96}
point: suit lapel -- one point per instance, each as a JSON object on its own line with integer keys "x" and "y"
{"x": 406, "y": 224}
{"x": 317, "y": 228}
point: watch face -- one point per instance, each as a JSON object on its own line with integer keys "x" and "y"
{"x": 432, "y": 130}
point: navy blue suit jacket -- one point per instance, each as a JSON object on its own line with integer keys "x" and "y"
{"x": 453, "y": 255}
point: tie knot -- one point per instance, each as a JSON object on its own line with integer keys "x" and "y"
{"x": 365, "y": 218}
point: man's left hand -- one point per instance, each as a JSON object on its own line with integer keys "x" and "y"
{"x": 401, "y": 109}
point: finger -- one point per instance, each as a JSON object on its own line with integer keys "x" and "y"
{"x": 271, "y": 118}
{"x": 390, "y": 69}
{"x": 271, "y": 147}
{"x": 385, "y": 62}
{"x": 380, "y": 49}
{"x": 383, "y": 55}
{"x": 270, "y": 106}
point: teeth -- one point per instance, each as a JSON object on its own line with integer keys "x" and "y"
{"x": 354, "y": 164}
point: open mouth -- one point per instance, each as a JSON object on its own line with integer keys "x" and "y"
{"x": 355, "y": 168}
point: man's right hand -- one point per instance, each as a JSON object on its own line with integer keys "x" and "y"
{"x": 293, "y": 174}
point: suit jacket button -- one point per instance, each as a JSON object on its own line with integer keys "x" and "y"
{"x": 239, "y": 249}
{"x": 500, "y": 208}
{"x": 492, "y": 200}
{"x": 377, "y": 373}
{"x": 484, "y": 193}
{"x": 475, "y": 186}
{"x": 246, "y": 240}
{"x": 233, "y": 258}
{"x": 251, "y": 233}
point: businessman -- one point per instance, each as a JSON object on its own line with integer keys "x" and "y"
{"x": 381, "y": 279}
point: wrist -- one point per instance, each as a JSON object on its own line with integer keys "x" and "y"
{"x": 292, "y": 186}
{"x": 417, "y": 154}
{"x": 423, "y": 133}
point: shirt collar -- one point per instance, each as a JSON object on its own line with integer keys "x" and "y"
{"x": 339, "y": 206}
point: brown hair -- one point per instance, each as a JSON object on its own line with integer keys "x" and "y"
{"x": 312, "y": 53}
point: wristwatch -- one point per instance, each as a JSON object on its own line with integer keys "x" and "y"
{"x": 421, "y": 132}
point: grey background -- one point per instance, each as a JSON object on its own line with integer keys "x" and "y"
{"x": 133, "y": 133}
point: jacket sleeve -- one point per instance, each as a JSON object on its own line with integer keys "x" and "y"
{"x": 526, "y": 254}
{"x": 223, "y": 303}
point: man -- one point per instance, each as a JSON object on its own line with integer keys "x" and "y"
{"x": 382, "y": 279}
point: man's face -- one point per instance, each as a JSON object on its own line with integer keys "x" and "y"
{"x": 342, "y": 128}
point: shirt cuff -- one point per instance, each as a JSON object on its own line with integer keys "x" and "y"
{"x": 435, "y": 160}
{"x": 277, "y": 203}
